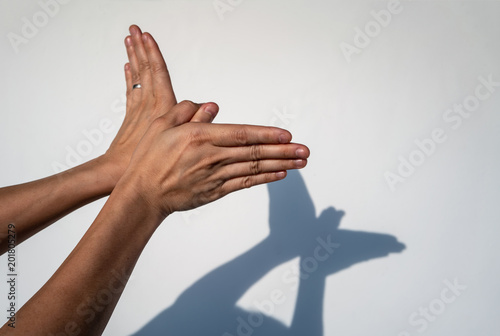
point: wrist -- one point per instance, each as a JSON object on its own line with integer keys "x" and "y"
{"x": 108, "y": 170}
{"x": 131, "y": 189}
{"x": 92, "y": 179}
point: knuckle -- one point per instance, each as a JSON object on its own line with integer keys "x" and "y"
{"x": 187, "y": 104}
{"x": 156, "y": 68}
{"x": 196, "y": 134}
{"x": 158, "y": 123}
{"x": 247, "y": 182}
{"x": 241, "y": 136}
{"x": 144, "y": 65}
{"x": 135, "y": 78}
{"x": 255, "y": 167}
{"x": 183, "y": 111}
{"x": 255, "y": 152}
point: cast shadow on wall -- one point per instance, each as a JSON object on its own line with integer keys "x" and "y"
{"x": 208, "y": 307}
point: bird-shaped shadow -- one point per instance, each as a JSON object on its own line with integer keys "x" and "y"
{"x": 209, "y": 307}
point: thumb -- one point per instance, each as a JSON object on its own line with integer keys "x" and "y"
{"x": 206, "y": 113}
{"x": 181, "y": 113}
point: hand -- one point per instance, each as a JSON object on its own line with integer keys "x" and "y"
{"x": 155, "y": 97}
{"x": 184, "y": 167}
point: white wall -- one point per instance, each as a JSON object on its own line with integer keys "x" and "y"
{"x": 358, "y": 115}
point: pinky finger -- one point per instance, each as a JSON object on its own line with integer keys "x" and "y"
{"x": 245, "y": 182}
{"x": 128, "y": 81}
{"x": 128, "y": 77}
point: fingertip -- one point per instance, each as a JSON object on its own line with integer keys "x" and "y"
{"x": 285, "y": 137}
{"x": 302, "y": 152}
{"x": 206, "y": 113}
{"x": 308, "y": 151}
{"x": 211, "y": 108}
{"x": 128, "y": 41}
{"x": 148, "y": 37}
{"x": 281, "y": 175}
{"x": 127, "y": 66}
{"x": 134, "y": 29}
{"x": 300, "y": 163}
{"x": 151, "y": 44}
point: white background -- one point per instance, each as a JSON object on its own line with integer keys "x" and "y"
{"x": 259, "y": 61}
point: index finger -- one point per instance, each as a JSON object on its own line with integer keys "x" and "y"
{"x": 227, "y": 135}
{"x": 162, "y": 85}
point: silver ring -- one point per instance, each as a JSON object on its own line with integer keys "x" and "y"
{"x": 136, "y": 86}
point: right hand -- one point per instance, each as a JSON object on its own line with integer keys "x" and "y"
{"x": 183, "y": 167}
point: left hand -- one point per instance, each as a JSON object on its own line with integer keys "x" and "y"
{"x": 155, "y": 97}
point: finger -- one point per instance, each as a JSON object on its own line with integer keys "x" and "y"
{"x": 181, "y": 113}
{"x": 206, "y": 113}
{"x": 250, "y": 181}
{"x": 128, "y": 77}
{"x": 242, "y": 169}
{"x": 129, "y": 83}
{"x": 225, "y": 135}
{"x": 162, "y": 85}
{"x": 142, "y": 58}
{"x": 134, "y": 63}
{"x": 265, "y": 152}
{"x": 252, "y": 154}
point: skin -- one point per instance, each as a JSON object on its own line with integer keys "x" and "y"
{"x": 35, "y": 205}
{"x": 206, "y": 162}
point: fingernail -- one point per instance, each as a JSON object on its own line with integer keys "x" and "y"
{"x": 144, "y": 37}
{"x": 301, "y": 153}
{"x": 281, "y": 175}
{"x": 212, "y": 110}
{"x": 299, "y": 163}
{"x": 128, "y": 41}
{"x": 283, "y": 138}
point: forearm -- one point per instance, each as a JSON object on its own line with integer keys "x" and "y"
{"x": 83, "y": 292}
{"x": 35, "y": 205}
